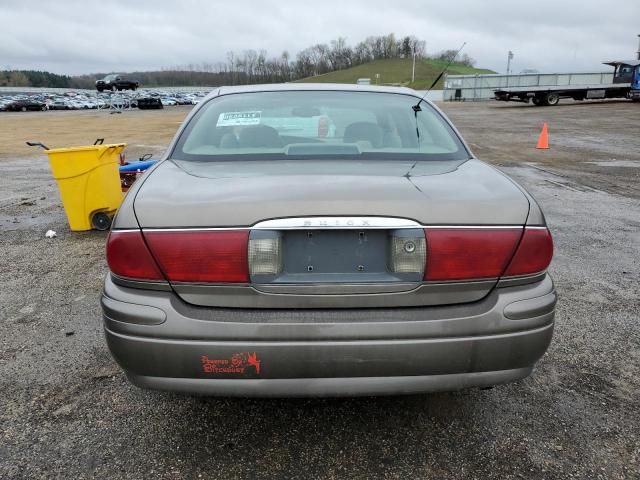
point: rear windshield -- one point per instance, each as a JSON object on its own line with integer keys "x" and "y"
{"x": 303, "y": 124}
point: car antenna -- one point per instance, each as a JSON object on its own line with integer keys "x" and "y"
{"x": 416, "y": 107}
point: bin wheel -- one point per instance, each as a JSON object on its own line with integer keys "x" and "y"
{"x": 101, "y": 221}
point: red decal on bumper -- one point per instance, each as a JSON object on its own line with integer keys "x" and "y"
{"x": 240, "y": 363}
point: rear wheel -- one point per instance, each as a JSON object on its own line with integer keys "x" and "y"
{"x": 101, "y": 221}
{"x": 23, "y": 109}
{"x": 551, "y": 98}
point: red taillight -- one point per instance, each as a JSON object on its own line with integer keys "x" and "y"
{"x": 201, "y": 256}
{"x": 128, "y": 256}
{"x": 534, "y": 253}
{"x": 467, "y": 254}
{"x": 323, "y": 127}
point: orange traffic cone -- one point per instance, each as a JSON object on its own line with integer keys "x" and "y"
{"x": 543, "y": 140}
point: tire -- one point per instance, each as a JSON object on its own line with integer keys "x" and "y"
{"x": 23, "y": 109}
{"x": 44, "y": 108}
{"x": 551, "y": 98}
{"x": 113, "y": 88}
{"x": 100, "y": 90}
{"x": 101, "y": 221}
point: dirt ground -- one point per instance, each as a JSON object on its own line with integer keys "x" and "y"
{"x": 67, "y": 411}
{"x": 145, "y": 131}
{"x": 593, "y": 144}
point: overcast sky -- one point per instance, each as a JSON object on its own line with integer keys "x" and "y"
{"x": 84, "y": 36}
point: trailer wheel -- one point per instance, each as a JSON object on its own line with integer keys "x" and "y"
{"x": 551, "y": 98}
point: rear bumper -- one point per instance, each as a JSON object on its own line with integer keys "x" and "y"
{"x": 330, "y": 387}
{"x": 165, "y": 344}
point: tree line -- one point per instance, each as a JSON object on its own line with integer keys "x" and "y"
{"x": 256, "y": 66}
{"x": 33, "y": 78}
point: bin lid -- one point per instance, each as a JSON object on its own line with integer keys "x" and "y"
{"x": 86, "y": 148}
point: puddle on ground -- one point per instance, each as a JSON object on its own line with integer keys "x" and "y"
{"x": 617, "y": 163}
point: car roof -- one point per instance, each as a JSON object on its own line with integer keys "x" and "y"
{"x": 329, "y": 87}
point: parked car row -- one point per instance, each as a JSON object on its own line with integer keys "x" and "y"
{"x": 89, "y": 100}
{"x": 23, "y": 104}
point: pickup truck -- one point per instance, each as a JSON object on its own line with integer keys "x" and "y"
{"x": 115, "y": 82}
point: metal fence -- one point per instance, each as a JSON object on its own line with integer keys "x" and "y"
{"x": 481, "y": 87}
{"x": 433, "y": 95}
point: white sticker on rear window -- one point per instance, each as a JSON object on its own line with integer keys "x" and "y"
{"x": 233, "y": 119}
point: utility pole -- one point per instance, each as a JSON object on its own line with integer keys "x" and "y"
{"x": 414, "y": 47}
{"x": 413, "y": 69}
{"x": 509, "y": 58}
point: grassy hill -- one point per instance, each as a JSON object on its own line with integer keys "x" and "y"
{"x": 397, "y": 70}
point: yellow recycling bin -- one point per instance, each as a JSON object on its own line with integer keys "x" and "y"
{"x": 89, "y": 183}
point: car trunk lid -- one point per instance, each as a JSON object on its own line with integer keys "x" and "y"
{"x": 228, "y": 194}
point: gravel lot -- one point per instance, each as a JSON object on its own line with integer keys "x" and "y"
{"x": 66, "y": 410}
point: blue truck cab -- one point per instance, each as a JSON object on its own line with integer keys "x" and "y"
{"x": 634, "y": 94}
{"x": 627, "y": 71}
